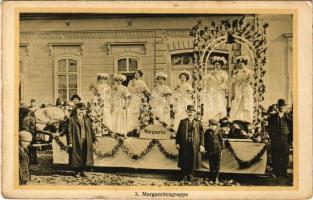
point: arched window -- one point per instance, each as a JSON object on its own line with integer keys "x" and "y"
{"x": 67, "y": 70}
{"x": 127, "y": 66}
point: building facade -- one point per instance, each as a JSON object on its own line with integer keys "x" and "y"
{"x": 61, "y": 54}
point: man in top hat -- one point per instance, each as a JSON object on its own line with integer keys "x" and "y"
{"x": 280, "y": 129}
{"x": 189, "y": 143}
{"x": 80, "y": 139}
{"x": 213, "y": 144}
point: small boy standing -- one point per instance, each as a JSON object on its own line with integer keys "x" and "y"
{"x": 213, "y": 143}
{"x": 25, "y": 138}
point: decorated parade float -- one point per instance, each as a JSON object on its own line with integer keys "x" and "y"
{"x": 150, "y": 144}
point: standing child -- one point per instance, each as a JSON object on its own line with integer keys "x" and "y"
{"x": 25, "y": 138}
{"x": 213, "y": 143}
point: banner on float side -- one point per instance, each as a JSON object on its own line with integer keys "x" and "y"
{"x": 154, "y": 131}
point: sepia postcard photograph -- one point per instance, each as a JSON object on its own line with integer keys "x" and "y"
{"x": 157, "y": 100}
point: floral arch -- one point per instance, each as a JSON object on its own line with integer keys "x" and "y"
{"x": 251, "y": 35}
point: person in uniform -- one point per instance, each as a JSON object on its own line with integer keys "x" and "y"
{"x": 80, "y": 139}
{"x": 25, "y": 138}
{"x": 189, "y": 143}
{"x": 280, "y": 128}
{"x": 213, "y": 144}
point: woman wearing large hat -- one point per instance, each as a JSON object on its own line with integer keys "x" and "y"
{"x": 102, "y": 100}
{"x": 120, "y": 101}
{"x": 161, "y": 98}
{"x": 182, "y": 97}
{"x": 137, "y": 88}
{"x": 214, "y": 100}
{"x": 242, "y": 104}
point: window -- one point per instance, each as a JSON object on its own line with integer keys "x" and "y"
{"x": 127, "y": 66}
{"x": 67, "y": 76}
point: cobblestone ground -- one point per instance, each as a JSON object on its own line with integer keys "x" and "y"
{"x": 45, "y": 173}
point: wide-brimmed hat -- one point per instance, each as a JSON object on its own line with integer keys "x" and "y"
{"x": 186, "y": 73}
{"x": 119, "y": 77}
{"x": 190, "y": 108}
{"x": 75, "y": 96}
{"x": 25, "y": 136}
{"x": 102, "y": 75}
{"x": 242, "y": 59}
{"x": 160, "y": 75}
{"x": 281, "y": 102}
{"x": 220, "y": 59}
{"x": 123, "y": 77}
{"x": 81, "y": 106}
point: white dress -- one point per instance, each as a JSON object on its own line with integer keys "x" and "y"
{"x": 182, "y": 98}
{"x": 242, "y": 105}
{"x": 105, "y": 95}
{"x": 213, "y": 97}
{"x": 136, "y": 89}
{"x": 161, "y": 103}
{"x": 119, "y": 96}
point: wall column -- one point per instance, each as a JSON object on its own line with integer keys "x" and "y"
{"x": 289, "y": 67}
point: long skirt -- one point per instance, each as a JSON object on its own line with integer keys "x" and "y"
{"x": 119, "y": 124}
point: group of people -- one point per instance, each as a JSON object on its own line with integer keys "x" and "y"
{"x": 121, "y": 104}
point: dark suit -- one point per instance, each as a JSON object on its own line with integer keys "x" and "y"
{"x": 81, "y": 135}
{"x": 280, "y": 132}
{"x": 213, "y": 144}
{"x": 189, "y": 136}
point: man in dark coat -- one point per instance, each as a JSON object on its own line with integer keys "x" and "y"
{"x": 213, "y": 144}
{"x": 189, "y": 143}
{"x": 80, "y": 137}
{"x": 280, "y": 129}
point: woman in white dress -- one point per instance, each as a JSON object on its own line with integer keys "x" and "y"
{"x": 214, "y": 100}
{"x": 182, "y": 97}
{"x": 137, "y": 88}
{"x": 161, "y": 99}
{"x": 102, "y": 100}
{"x": 120, "y": 97}
{"x": 242, "y": 104}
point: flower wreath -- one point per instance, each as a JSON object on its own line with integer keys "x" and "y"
{"x": 220, "y": 59}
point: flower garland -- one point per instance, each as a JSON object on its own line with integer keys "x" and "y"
{"x": 246, "y": 163}
{"x": 142, "y": 154}
{"x": 112, "y": 152}
{"x": 165, "y": 153}
{"x": 60, "y": 143}
{"x": 231, "y": 31}
{"x": 165, "y": 125}
{"x": 125, "y": 149}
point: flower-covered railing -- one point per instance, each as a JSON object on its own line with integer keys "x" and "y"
{"x": 251, "y": 35}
